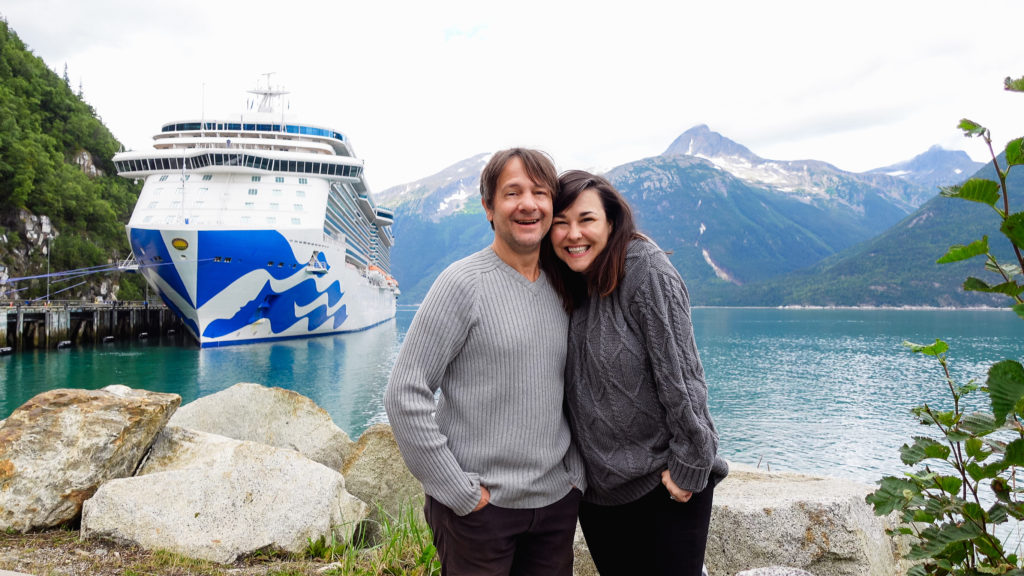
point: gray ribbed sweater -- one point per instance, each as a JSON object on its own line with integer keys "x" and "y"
{"x": 494, "y": 344}
{"x": 635, "y": 386}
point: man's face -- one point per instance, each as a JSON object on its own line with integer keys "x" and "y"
{"x": 522, "y": 210}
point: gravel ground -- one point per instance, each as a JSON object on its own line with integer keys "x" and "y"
{"x": 62, "y": 553}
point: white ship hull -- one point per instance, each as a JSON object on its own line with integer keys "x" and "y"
{"x": 267, "y": 291}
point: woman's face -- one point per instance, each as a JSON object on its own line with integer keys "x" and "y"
{"x": 581, "y": 232}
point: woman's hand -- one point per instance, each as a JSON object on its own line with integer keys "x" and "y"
{"x": 485, "y": 497}
{"x": 677, "y": 493}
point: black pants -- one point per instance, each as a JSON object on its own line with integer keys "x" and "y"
{"x": 652, "y": 535}
{"x": 497, "y": 541}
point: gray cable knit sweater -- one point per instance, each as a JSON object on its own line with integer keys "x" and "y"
{"x": 493, "y": 343}
{"x": 635, "y": 386}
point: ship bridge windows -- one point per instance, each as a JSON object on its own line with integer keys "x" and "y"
{"x": 207, "y": 177}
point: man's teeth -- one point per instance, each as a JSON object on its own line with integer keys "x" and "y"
{"x": 577, "y": 249}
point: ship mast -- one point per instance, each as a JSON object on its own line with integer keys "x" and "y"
{"x": 269, "y": 95}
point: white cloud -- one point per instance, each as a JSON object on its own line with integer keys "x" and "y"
{"x": 418, "y": 86}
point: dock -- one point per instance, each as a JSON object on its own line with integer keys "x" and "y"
{"x": 58, "y": 324}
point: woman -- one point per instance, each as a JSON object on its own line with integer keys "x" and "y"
{"x": 634, "y": 387}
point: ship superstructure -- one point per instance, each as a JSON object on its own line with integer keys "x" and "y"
{"x": 259, "y": 228}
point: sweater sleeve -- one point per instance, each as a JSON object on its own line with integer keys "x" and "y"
{"x": 663, "y": 309}
{"x": 434, "y": 339}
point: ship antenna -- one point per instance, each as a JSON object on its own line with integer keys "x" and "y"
{"x": 268, "y": 94}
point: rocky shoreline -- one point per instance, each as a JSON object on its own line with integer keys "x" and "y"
{"x": 253, "y": 469}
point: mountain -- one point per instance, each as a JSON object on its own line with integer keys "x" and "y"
{"x": 62, "y": 206}
{"x": 898, "y": 267}
{"x": 934, "y": 168}
{"x": 728, "y": 217}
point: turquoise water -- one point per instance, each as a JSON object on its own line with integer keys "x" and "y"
{"x": 816, "y": 391}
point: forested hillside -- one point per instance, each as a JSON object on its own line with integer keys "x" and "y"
{"x": 55, "y": 162}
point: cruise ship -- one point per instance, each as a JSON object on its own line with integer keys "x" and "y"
{"x": 256, "y": 227}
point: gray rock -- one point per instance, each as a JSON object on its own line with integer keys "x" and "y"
{"x": 60, "y": 446}
{"x": 271, "y": 416}
{"x": 376, "y": 474}
{"x": 820, "y": 525}
{"x": 775, "y": 571}
{"x": 214, "y": 498}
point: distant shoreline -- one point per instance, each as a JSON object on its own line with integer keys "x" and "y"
{"x": 408, "y": 307}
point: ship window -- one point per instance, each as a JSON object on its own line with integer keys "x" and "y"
{"x": 271, "y": 220}
{"x": 228, "y": 259}
{"x": 270, "y": 263}
{"x": 147, "y": 218}
{"x": 348, "y": 171}
{"x": 152, "y": 204}
{"x": 255, "y": 178}
{"x": 246, "y": 219}
{"x": 277, "y": 192}
{"x": 298, "y": 207}
{"x": 175, "y": 203}
{"x": 234, "y": 126}
{"x": 279, "y": 179}
{"x": 300, "y": 193}
{"x": 253, "y": 191}
{"x": 197, "y": 204}
{"x": 206, "y": 178}
{"x": 274, "y": 206}
{"x": 249, "y": 127}
{"x": 302, "y": 181}
{"x": 250, "y": 204}
{"x": 187, "y": 176}
{"x": 216, "y": 258}
{"x": 163, "y": 178}
{"x": 296, "y": 221}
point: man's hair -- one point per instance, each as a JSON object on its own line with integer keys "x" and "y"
{"x": 537, "y": 164}
{"x": 606, "y": 271}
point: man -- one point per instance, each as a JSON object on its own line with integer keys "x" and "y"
{"x": 501, "y": 478}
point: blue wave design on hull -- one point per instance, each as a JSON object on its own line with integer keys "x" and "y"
{"x": 248, "y": 251}
{"x": 278, "y": 309}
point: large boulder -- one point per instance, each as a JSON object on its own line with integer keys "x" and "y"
{"x": 272, "y": 416}
{"x": 60, "y": 446}
{"x": 816, "y": 524}
{"x": 215, "y": 498}
{"x": 375, "y": 473}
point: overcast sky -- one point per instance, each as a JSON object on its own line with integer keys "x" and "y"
{"x": 420, "y": 85}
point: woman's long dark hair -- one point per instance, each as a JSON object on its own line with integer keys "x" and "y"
{"x": 606, "y": 271}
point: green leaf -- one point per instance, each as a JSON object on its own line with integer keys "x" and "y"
{"x": 1010, "y": 270}
{"x": 997, "y": 514}
{"x": 975, "y": 449}
{"x": 923, "y": 449}
{"x": 959, "y": 252}
{"x": 979, "y": 473}
{"x": 975, "y": 190}
{"x": 979, "y": 423}
{"x": 936, "y": 349}
{"x": 1019, "y": 309}
{"x": 1006, "y": 387}
{"x": 893, "y": 494}
{"x": 1014, "y": 153}
{"x": 1014, "y": 453}
{"x": 949, "y": 484}
{"x": 942, "y": 536}
{"x": 1013, "y": 227}
{"x": 971, "y": 128}
{"x": 1009, "y": 288}
{"x": 1013, "y": 84}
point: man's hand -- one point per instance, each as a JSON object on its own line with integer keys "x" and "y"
{"x": 677, "y": 493}
{"x": 485, "y": 497}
